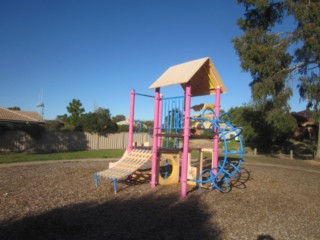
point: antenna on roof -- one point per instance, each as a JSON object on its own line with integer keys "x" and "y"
{"x": 41, "y": 104}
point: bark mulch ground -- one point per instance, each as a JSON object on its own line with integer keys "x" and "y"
{"x": 60, "y": 201}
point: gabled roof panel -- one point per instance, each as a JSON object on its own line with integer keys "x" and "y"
{"x": 202, "y": 74}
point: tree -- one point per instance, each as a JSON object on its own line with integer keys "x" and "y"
{"x": 99, "y": 122}
{"x": 274, "y": 57}
{"x": 149, "y": 126}
{"x": 76, "y": 110}
{"x": 118, "y": 118}
{"x": 310, "y": 90}
{"x": 54, "y": 125}
{"x": 14, "y": 108}
{"x": 257, "y": 131}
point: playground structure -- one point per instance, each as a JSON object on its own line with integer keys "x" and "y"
{"x": 170, "y": 154}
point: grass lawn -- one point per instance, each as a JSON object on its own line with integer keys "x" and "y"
{"x": 28, "y": 157}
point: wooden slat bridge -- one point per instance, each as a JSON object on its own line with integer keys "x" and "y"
{"x": 128, "y": 164}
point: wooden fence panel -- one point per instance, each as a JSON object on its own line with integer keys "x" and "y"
{"x": 115, "y": 141}
{"x": 19, "y": 141}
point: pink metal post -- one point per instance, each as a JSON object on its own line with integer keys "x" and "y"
{"x": 131, "y": 120}
{"x": 160, "y": 121}
{"x": 216, "y": 136}
{"x": 186, "y": 132}
{"x": 154, "y": 165}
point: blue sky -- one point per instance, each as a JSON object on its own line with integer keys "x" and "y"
{"x": 97, "y": 51}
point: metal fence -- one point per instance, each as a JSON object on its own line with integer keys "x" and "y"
{"x": 20, "y": 141}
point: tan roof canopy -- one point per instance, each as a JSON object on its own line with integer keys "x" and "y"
{"x": 201, "y": 73}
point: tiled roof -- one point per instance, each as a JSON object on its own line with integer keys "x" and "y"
{"x": 19, "y": 116}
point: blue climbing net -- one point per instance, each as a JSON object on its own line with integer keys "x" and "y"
{"x": 229, "y": 166}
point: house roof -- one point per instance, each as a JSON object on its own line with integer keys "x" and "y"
{"x": 7, "y": 115}
{"x": 201, "y": 73}
{"x": 307, "y": 114}
{"x": 304, "y": 118}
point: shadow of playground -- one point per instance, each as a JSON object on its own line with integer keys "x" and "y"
{"x": 147, "y": 217}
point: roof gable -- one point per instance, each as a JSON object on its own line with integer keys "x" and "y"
{"x": 201, "y": 73}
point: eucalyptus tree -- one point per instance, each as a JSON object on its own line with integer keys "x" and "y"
{"x": 280, "y": 42}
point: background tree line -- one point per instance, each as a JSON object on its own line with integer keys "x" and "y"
{"x": 99, "y": 121}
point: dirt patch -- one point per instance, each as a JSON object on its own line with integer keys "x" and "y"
{"x": 60, "y": 201}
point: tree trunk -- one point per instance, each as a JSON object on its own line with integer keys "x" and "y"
{"x": 318, "y": 146}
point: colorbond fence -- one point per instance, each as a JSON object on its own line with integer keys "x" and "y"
{"x": 19, "y": 141}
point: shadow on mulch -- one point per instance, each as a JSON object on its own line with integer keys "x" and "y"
{"x": 147, "y": 217}
{"x": 239, "y": 181}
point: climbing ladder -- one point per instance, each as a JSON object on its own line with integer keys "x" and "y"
{"x": 128, "y": 164}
